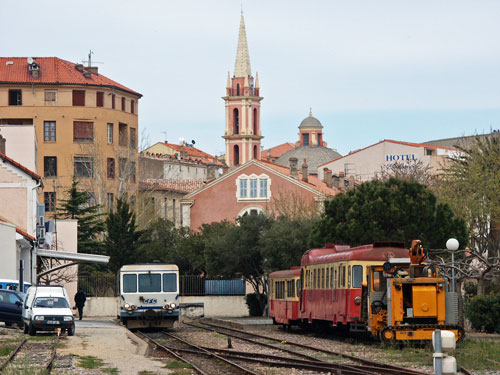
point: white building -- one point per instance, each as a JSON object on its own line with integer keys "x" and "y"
{"x": 367, "y": 163}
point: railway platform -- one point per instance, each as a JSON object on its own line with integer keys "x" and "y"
{"x": 106, "y": 339}
{"x": 244, "y": 323}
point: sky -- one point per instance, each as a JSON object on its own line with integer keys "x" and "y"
{"x": 370, "y": 70}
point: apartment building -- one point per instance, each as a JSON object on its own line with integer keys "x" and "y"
{"x": 86, "y": 125}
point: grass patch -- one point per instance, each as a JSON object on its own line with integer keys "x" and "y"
{"x": 330, "y": 358}
{"x": 6, "y": 350}
{"x": 181, "y": 372}
{"x": 145, "y": 372}
{"x": 90, "y": 362}
{"x": 478, "y": 355}
{"x": 110, "y": 370}
{"x": 177, "y": 364}
{"x": 419, "y": 356}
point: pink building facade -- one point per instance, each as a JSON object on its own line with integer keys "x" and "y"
{"x": 252, "y": 188}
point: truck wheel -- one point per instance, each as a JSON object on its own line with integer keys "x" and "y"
{"x": 71, "y": 331}
{"x": 32, "y": 330}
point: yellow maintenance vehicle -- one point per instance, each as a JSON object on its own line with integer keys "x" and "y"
{"x": 406, "y": 300}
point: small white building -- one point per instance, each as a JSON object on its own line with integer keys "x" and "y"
{"x": 367, "y": 163}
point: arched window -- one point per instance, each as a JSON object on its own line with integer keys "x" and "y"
{"x": 255, "y": 152}
{"x": 236, "y": 121}
{"x": 255, "y": 121}
{"x": 237, "y": 89}
{"x": 236, "y": 155}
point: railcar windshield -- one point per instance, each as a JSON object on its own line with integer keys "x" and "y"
{"x": 170, "y": 282}
{"x": 357, "y": 276}
{"x": 51, "y": 302}
{"x": 130, "y": 283}
{"x": 149, "y": 282}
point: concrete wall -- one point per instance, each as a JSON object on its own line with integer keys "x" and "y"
{"x": 215, "y": 306}
{"x": 21, "y": 144}
{"x": 8, "y": 251}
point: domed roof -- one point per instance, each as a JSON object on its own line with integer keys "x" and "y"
{"x": 310, "y": 121}
{"x": 315, "y": 156}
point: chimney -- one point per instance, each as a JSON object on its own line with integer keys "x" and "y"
{"x": 325, "y": 170}
{"x": 293, "y": 167}
{"x": 305, "y": 174}
{"x": 79, "y": 67}
{"x": 2, "y": 144}
{"x": 335, "y": 181}
{"x": 211, "y": 172}
{"x": 93, "y": 69}
{"x": 351, "y": 183}
{"x": 328, "y": 178}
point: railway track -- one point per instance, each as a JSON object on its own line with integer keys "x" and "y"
{"x": 201, "y": 360}
{"x": 37, "y": 356}
{"x": 357, "y": 365}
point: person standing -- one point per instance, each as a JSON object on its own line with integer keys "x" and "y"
{"x": 80, "y": 299}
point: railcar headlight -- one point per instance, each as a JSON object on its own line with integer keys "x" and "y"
{"x": 39, "y": 317}
{"x": 126, "y": 306}
{"x": 173, "y": 305}
{"x": 133, "y": 307}
{"x": 357, "y": 300}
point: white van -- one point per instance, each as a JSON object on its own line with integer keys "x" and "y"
{"x": 47, "y": 308}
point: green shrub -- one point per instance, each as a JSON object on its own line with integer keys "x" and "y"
{"x": 484, "y": 312}
{"x": 255, "y": 303}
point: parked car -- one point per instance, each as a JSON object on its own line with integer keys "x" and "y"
{"x": 11, "y": 307}
{"x": 47, "y": 308}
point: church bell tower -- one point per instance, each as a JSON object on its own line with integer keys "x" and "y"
{"x": 242, "y": 133}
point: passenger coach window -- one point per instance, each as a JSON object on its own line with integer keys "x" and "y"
{"x": 357, "y": 276}
{"x": 130, "y": 283}
{"x": 169, "y": 282}
{"x": 149, "y": 282}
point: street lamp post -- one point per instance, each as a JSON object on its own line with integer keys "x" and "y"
{"x": 452, "y": 245}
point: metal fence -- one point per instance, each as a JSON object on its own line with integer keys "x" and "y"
{"x": 98, "y": 285}
{"x": 190, "y": 285}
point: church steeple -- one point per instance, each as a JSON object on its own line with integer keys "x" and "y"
{"x": 242, "y": 132}
{"x": 242, "y": 65}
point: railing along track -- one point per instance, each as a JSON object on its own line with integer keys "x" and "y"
{"x": 373, "y": 366}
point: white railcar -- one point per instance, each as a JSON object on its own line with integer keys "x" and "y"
{"x": 149, "y": 295}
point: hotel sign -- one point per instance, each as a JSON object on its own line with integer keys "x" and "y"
{"x": 401, "y": 157}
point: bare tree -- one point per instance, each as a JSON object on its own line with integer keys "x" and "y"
{"x": 294, "y": 206}
{"x": 409, "y": 170}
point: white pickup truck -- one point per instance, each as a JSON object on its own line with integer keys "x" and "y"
{"x": 47, "y": 308}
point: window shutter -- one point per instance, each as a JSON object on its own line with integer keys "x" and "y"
{"x": 83, "y": 131}
{"x": 100, "y": 99}
{"x": 78, "y": 97}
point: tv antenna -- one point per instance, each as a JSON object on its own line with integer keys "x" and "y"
{"x": 164, "y": 136}
{"x": 89, "y": 61}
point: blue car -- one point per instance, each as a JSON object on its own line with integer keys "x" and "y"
{"x": 11, "y": 307}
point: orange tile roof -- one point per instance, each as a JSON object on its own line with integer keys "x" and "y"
{"x": 181, "y": 186}
{"x": 313, "y": 181}
{"x": 20, "y": 166}
{"x": 189, "y": 151}
{"x": 277, "y": 151}
{"x": 19, "y": 230}
{"x": 396, "y": 142}
{"x": 53, "y": 71}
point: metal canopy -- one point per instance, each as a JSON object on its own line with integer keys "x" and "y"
{"x": 70, "y": 259}
{"x": 81, "y": 257}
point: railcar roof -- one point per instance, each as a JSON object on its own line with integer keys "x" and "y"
{"x": 285, "y": 273}
{"x": 149, "y": 267}
{"x": 375, "y": 251}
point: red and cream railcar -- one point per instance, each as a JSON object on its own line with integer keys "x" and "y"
{"x": 332, "y": 280}
{"x": 284, "y": 296}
